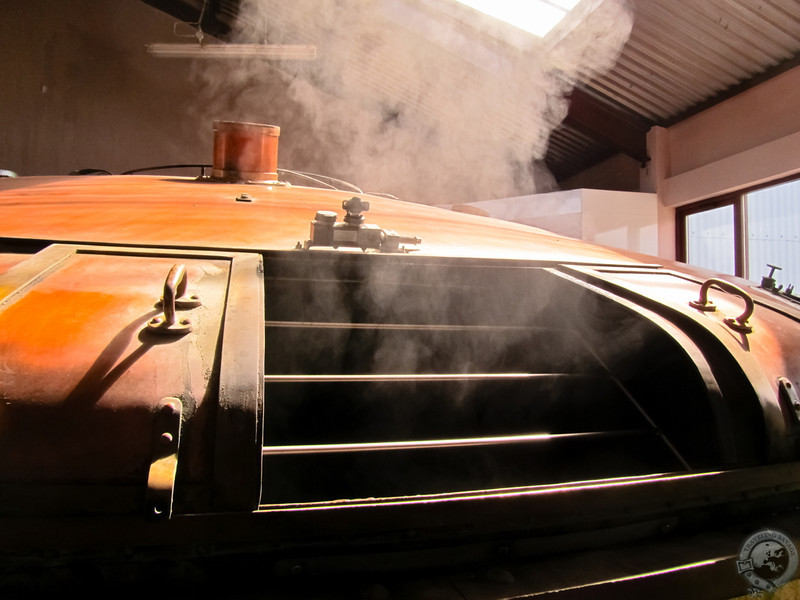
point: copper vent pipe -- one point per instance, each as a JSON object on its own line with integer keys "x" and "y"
{"x": 245, "y": 151}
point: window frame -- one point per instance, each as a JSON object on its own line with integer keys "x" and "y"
{"x": 736, "y": 199}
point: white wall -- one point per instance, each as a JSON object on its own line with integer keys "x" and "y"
{"x": 626, "y": 220}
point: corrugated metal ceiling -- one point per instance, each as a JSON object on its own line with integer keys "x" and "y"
{"x": 682, "y": 56}
{"x": 682, "y": 52}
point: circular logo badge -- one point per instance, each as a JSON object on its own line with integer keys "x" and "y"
{"x": 768, "y": 559}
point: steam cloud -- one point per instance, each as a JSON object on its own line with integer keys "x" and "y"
{"x": 424, "y": 99}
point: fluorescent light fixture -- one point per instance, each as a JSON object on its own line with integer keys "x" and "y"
{"x": 265, "y": 51}
{"x": 534, "y": 16}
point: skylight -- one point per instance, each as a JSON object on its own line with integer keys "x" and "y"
{"x": 534, "y": 16}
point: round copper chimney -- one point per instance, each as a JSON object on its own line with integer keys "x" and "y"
{"x": 245, "y": 151}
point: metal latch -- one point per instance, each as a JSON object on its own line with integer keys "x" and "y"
{"x": 353, "y": 232}
{"x": 164, "y": 461}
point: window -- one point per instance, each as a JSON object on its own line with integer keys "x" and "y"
{"x": 746, "y": 233}
{"x": 534, "y": 16}
{"x": 773, "y": 231}
{"x": 709, "y": 239}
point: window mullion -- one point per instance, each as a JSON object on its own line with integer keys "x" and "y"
{"x": 740, "y": 236}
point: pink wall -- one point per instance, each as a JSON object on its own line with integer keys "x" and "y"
{"x": 746, "y": 140}
{"x": 755, "y": 117}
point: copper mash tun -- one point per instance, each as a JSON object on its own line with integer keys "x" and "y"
{"x": 360, "y": 401}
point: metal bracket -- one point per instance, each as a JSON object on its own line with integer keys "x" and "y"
{"x": 790, "y": 403}
{"x": 164, "y": 461}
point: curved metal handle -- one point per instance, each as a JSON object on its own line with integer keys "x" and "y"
{"x": 174, "y": 291}
{"x": 174, "y": 287}
{"x": 703, "y": 303}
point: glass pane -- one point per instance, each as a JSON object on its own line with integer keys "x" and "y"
{"x": 534, "y": 16}
{"x": 709, "y": 240}
{"x": 773, "y": 224}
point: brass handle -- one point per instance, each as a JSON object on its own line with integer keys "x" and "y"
{"x": 174, "y": 287}
{"x": 740, "y": 323}
{"x": 174, "y": 296}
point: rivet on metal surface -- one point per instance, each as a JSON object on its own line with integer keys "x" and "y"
{"x": 174, "y": 298}
{"x": 186, "y": 302}
{"x": 164, "y": 461}
{"x": 739, "y": 323}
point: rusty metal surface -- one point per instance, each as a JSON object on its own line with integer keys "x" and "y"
{"x": 698, "y": 564}
{"x": 9, "y": 260}
{"x": 83, "y": 381}
{"x": 82, "y": 378}
{"x": 491, "y": 568}
{"x": 767, "y": 354}
{"x": 151, "y": 211}
{"x": 239, "y": 414}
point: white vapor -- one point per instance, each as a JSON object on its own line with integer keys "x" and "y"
{"x": 418, "y": 98}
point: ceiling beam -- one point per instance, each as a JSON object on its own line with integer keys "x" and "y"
{"x": 608, "y": 123}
